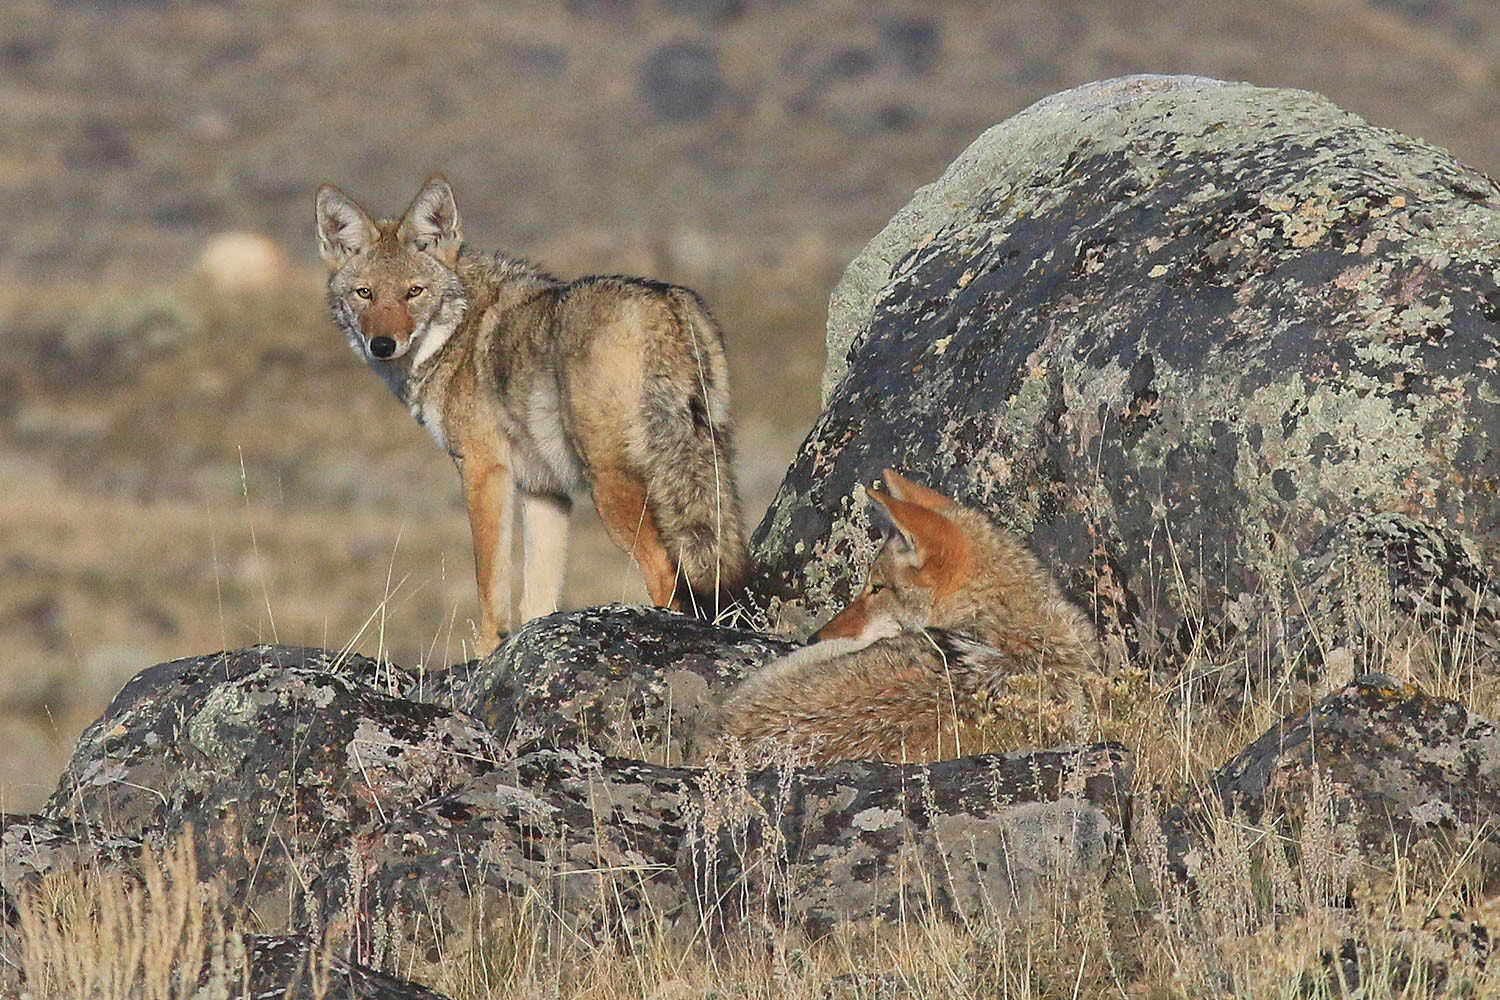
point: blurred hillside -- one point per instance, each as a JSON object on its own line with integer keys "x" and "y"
{"x": 186, "y": 466}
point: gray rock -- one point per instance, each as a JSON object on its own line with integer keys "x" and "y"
{"x": 1213, "y": 348}
{"x": 325, "y": 806}
{"x": 32, "y": 847}
{"x": 609, "y": 846}
{"x": 268, "y": 762}
{"x": 1377, "y": 772}
{"x": 628, "y": 681}
{"x": 589, "y": 841}
{"x": 1447, "y": 955}
{"x": 985, "y": 836}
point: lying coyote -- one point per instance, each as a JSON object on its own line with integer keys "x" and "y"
{"x": 957, "y": 626}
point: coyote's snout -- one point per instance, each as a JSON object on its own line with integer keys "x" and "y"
{"x": 957, "y": 624}
{"x": 540, "y": 388}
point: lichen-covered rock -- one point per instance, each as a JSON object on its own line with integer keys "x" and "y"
{"x": 610, "y": 846}
{"x": 987, "y": 836}
{"x": 267, "y": 762}
{"x": 34, "y": 846}
{"x": 628, "y": 681}
{"x": 590, "y": 841}
{"x": 1223, "y": 353}
{"x": 1379, "y": 774}
{"x": 173, "y": 679}
{"x": 324, "y": 806}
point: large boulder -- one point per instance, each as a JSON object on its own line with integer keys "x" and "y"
{"x": 1227, "y": 355}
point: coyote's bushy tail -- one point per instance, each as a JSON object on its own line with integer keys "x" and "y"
{"x": 690, "y": 468}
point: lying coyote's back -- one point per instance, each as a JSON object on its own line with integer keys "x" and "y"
{"x": 958, "y": 628}
{"x": 541, "y": 387}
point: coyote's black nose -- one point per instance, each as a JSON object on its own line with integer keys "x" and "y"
{"x": 382, "y": 347}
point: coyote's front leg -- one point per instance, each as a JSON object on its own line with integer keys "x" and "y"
{"x": 489, "y": 488}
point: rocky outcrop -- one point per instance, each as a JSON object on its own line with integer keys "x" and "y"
{"x": 613, "y": 847}
{"x": 990, "y": 836}
{"x": 1379, "y": 783}
{"x": 1227, "y": 355}
{"x": 323, "y": 805}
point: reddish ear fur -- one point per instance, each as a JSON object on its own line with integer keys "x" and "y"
{"x": 941, "y": 549}
{"x": 904, "y": 489}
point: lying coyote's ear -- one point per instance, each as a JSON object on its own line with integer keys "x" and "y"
{"x": 343, "y": 227}
{"x": 904, "y": 489}
{"x": 939, "y": 551}
{"x": 431, "y": 224}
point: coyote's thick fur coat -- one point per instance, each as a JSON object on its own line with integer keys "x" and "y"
{"x": 542, "y": 387}
{"x": 958, "y": 626}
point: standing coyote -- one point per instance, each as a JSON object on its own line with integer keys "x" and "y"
{"x": 543, "y": 387}
{"x": 958, "y": 626}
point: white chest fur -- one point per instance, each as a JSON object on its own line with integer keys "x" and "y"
{"x": 431, "y": 417}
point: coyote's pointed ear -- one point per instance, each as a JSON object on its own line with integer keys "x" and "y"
{"x": 431, "y": 224}
{"x": 343, "y": 227}
{"x": 904, "y": 489}
{"x": 938, "y": 547}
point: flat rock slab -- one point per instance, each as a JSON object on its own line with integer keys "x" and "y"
{"x": 1215, "y": 349}
{"x": 626, "y": 680}
{"x": 1377, "y": 772}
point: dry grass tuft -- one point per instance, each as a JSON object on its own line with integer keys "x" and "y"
{"x": 105, "y": 935}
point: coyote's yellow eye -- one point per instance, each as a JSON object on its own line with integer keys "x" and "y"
{"x": 414, "y": 291}
{"x": 362, "y": 292}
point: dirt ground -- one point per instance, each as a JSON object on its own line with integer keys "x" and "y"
{"x": 186, "y": 466}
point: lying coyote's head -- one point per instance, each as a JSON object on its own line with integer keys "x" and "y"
{"x": 942, "y": 565}
{"x": 393, "y": 286}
